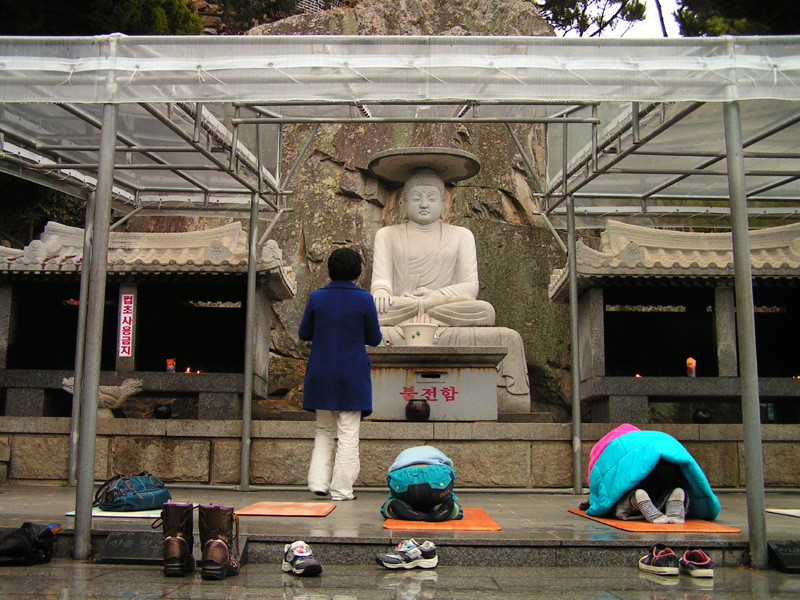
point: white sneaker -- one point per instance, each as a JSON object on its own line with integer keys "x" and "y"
{"x": 298, "y": 559}
{"x": 409, "y": 554}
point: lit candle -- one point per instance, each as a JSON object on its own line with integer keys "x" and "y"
{"x": 188, "y": 370}
{"x": 691, "y": 367}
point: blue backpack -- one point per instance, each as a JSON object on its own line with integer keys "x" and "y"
{"x": 124, "y": 493}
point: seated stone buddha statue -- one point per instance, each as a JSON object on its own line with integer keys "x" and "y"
{"x": 427, "y": 267}
{"x": 426, "y": 270}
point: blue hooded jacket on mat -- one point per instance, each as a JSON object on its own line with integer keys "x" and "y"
{"x": 628, "y": 459}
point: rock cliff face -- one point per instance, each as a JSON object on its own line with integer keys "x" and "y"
{"x": 417, "y": 17}
{"x": 336, "y": 202}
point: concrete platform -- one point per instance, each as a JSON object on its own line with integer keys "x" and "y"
{"x": 537, "y": 529}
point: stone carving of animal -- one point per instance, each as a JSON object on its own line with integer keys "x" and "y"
{"x": 110, "y": 396}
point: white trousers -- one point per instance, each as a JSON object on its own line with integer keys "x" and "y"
{"x": 335, "y": 475}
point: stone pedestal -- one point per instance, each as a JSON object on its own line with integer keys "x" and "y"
{"x": 458, "y": 383}
{"x": 725, "y": 329}
{"x": 511, "y": 374}
{"x": 25, "y": 402}
{"x": 621, "y": 409}
{"x": 591, "y": 333}
{"x": 219, "y": 406}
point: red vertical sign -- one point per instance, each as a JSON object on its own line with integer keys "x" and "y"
{"x": 126, "y": 325}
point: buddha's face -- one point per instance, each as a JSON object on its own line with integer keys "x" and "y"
{"x": 424, "y": 204}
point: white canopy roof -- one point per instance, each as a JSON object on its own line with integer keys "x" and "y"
{"x": 643, "y": 117}
{"x": 283, "y": 69}
{"x": 643, "y": 120}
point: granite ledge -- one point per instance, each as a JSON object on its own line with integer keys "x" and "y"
{"x": 380, "y": 430}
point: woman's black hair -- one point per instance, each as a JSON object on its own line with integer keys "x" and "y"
{"x": 344, "y": 264}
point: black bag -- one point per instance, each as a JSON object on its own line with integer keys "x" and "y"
{"x": 30, "y": 544}
{"x": 124, "y": 493}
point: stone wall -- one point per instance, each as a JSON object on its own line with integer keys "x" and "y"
{"x": 487, "y": 455}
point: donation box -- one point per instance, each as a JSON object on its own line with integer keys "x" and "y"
{"x": 459, "y": 383}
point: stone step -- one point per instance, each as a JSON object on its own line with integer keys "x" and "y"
{"x": 528, "y": 417}
{"x": 144, "y": 548}
{"x": 296, "y": 415}
{"x": 531, "y": 417}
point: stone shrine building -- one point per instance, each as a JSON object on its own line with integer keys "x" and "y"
{"x": 649, "y": 299}
{"x": 168, "y": 296}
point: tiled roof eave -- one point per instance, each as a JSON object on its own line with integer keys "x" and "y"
{"x": 140, "y": 269}
{"x": 278, "y": 280}
{"x": 210, "y": 253}
{"x": 558, "y": 290}
{"x": 694, "y": 272}
{"x": 628, "y": 250}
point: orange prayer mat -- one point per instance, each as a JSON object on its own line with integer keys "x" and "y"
{"x": 475, "y": 519}
{"x": 691, "y": 525}
{"x": 287, "y": 509}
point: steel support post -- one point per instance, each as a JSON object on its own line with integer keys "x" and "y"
{"x": 90, "y": 386}
{"x": 83, "y": 298}
{"x": 249, "y": 343}
{"x": 745, "y": 322}
{"x": 577, "y": 475}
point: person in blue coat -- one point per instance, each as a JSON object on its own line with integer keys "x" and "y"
{"x": 340, "y": 320}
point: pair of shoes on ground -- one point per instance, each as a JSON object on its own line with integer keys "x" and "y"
{"x": 219, "y": 539}
{"x": 662, "y": 560}
{"x": 299, "y": 559}
{"x": 410, "y": 554}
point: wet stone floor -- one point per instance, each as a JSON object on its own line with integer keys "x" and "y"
{"x": 66, "y": 579}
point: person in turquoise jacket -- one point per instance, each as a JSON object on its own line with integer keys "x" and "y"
{"x": 421, "y": 482}
{"x": 340, "y": 320}
{"x": 647, "y": 475}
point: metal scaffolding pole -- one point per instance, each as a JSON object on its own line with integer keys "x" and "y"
{"x": 94, "y": 337}
{"x": 745, "y": 323}
{"x": 577, "y": 479}
{"x": 77, "y": 380}
{"x": 249, "y": 343}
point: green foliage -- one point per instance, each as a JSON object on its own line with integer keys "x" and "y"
{"x": 26, "y": 207}
{"x": 738, "y": 17}
{"x": 155, "y": 17}
{"x": 98, "y": 17}
{"x": 590, "y": 18}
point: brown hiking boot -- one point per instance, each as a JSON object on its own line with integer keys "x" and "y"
{"x": 177, "y": 524}
{"x": 216, "y": 538}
